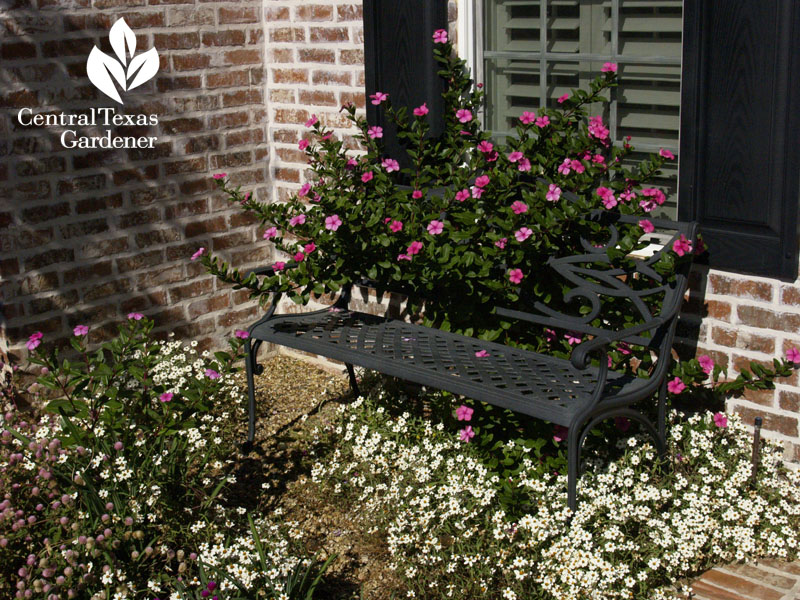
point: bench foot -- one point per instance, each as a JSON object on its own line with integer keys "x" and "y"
{"x": 353, "y": 382}
{"x": 252, "y": 368}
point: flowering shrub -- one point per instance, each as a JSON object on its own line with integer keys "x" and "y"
{"x": 117, "y": 488}
{"x": 636, "y": 531}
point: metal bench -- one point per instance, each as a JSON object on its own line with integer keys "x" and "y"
{"x": 576, "y": 393}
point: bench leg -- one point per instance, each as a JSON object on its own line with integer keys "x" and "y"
{"x": 353, "y": 382}
{"x": 662, "y": 415}
{"x": 252, "y": 368}
{"x": 573, "y": 463}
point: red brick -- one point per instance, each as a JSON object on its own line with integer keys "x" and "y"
{"x": 237, "y": 318}
{"x": 84, "y": 273}
{"x": 230, "y": 240}
{"x": 766, "y": 318}
{"x": 214, "y": 225}
{"x": 191, "y": 62}
{"x": 197, "y": 186}
{"x": 191, "y": 165}
{"x": 17, "y": 51}
{"x": 58, "y": 301}
{"x": 170, "y": 84}
{"x": 291, "y": 115}
{"x": 277, "y": 14}
{"x": 349, "y": 12}
{"x": 331, "y": 77}
{"x": 228, "y": 120}
{"x": 359, "y": 99}
{"x": 243, "y": 57}
{"x": 202, "y": 143}
{"x": 789, "y": 400}
{"x": 83, "y": 228}
{"x": 40, "y": 214}
{"x": 140, "y": 261}
{"x": 286, "y": 136}
{"x": 762, "y": 397}
{"x": 242, "y": 97}
{"x": 194, "y": 329}
{"x": 135, "y": 20}
{"x": 283, "y": 96}
{"x": 242, "y": 219}
{"x": 190, "y": 290}
{"x": 209, "y": 305}
{"x": 67, "y": 47}
{"x": 227, "y": 79}
{"x": 316, "y": 55}
{"x": 98, "y": 248}
{"x": 287, "y": 34}
{"x": 237, "y": 15}
{"x": 746, "y": 288}
{"x": 281, "y": 55}
{"x": 317, "y": 98}
{"x": 157, "y": 237}
{"x": 289, "y": 76}
{"x": 790, "y": 295}
{"x": 231, "y": 37}
{"x": 160, "y": 277}
{"x": 234, "y": 159}
{"x": 779, "y": 423}
{"x": 19, "y": 99}
{"x": 314, "y": 12}
{"x": 328, "y": 34}
{"x": 184, "y": 125}
{"x": 142, "y": 217}
{"x": 285, "y": 174}
{"x": 151, "y": 194}
{"x": 50, "y": 257}
{"x": 40, "y": 282}
{"x": 183, "y": 17}
{"x": 248, "y": 136}
{"x": 291, "y": 155}
{"x": 104, "y": 290}
{"x": 124, "y": 176}
{"x": 743, "y": 586}
{"x": 90, "y": 205}
{"x": 176, "y": 41}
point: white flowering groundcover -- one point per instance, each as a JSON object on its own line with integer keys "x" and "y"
{"x": 638, "y": 529}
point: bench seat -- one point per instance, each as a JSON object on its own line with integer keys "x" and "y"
{"x": 526, "y": 382}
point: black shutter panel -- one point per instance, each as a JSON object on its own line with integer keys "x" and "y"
{"x": 740, "y": 128}
{"x": 398, "y": 57}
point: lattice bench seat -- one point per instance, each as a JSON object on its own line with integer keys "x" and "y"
{"x": 577, "y": 393}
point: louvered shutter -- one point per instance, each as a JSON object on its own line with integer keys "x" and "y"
{"x": 740, "y": 126}
{"x": 398, "y": 57}
{"x": 536, "y": 51}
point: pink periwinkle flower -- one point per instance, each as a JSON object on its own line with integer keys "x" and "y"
{"x": 332, "y": 222}
{"x": 378, "y": 97}
{"x": 242, "y": 334}
{"x": 524, "y": 165}
{"x": 134, "y": 316}
{"x": 565, "y": 167}
{"x": 168, "y": 396}
{"x": 464, "y": 115}
{"x": 421, "y": 110}
{"x": 720, "y": 420}
{"x": 198, "y": 254}
{"x": 34, "y": 340}
{"x": 464, "y": 413}
{"x": 656, "y": 194}
{"x": 414, "y": 248}
{"x": 682, "y": 246}
{"x": 647, "y": 226}
{"x": 553, "y": 193}
{"x": 299, "y": 257}
{"x": 515, "y": 275}
{"x": 560, "y": 433}
{"x": 396, "y": 226}
{"x": 627, "y": 195}
{"x": 312, "y": 121}
{"x": 519, "y": 207}
{"x": 647, "y": 205}
{"x": 482, "y": 181}
{"x": 477, "y": 192}
{"x": 522, "y": 234}
{"x": 80, "y": 330}
{"x": 676, "y": 386}
{"x": 597, "y": 129}
{"x": 435, "y": 227}
{"x": 375, "y": 132}
{"x": 390, "y": 165}
{"x": 577, "y": 166}
{"x": 304, "y": 190}
{"x": 706, "y": 363}
{"x": 219, "y": 176}
{"x": 466, "y": 434}
{"x": 573, "y": 337}
{"x": 528, "y": 117}
{"x": 212, "y": 374}
{"x": 462, "y": 195}
{"x": 309, "y": 247}
{"x": 543, "y": 122}
{"x": 303, "y": 144}
{"x": 793, "y": 355}
{"x": 367, "y": 176}
{"x": 297, "y": 220}
{"x": 562, "y": 99}
{"x": 609, "y": 67}
{"x": 440, "y": 36}
{"x": 482, "y": 354}
{"x": 608, "y": 198}
{"x": 501, "y": 243}
{"x": 416, "y": 194}
{"x": 403, "y": 257}
{"x": 492, "y": 156}
{"x": 270, "y": 233}
{"x": 279, "y": 266}
{"x": 598, "y": 159}
{"x": 515, "y": 156}
{"x": 485, "y": 147}
{"x": 549, "y": 335}
{"x": 666, "y": 154}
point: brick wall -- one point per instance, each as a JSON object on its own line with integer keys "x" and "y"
{"x": 737, "y": 319}
{"x": 89, "y": 235}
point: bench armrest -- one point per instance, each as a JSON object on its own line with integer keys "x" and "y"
{"x": 581, "y": 354}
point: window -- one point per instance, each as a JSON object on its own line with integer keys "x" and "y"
{"x": 535, "y": 51}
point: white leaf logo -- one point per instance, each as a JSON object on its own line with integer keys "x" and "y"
{"x": 127, "y": 71}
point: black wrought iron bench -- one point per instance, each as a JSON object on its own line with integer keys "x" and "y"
{"x": 576, "y": 393}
